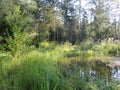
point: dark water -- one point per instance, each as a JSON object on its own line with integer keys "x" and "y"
{"x": 101, "y": 69}
{"x": 108, "y": 69}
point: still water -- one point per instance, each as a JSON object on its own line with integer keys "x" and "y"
{"x": 107, "y": 69}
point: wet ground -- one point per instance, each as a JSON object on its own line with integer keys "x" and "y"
{"x": 108, "y": 68}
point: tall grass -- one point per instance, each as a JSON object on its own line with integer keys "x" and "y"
{"x": 33, "y": 71}
{"x": 80, "y": 78}
{"x": 45, "y": 68}
{"x": 107, "y": 48}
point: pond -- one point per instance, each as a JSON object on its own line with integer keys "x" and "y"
{"x": 97, "y": 68}
{"x": 101, "y": 69}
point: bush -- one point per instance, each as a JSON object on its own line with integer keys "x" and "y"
{"x": 32, "y": 72}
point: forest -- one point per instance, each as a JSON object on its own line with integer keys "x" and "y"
{"x": 59, "y": 44}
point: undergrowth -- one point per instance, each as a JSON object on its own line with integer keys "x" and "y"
{"x": 45, "y": 68}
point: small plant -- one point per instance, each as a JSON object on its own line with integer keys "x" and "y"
{"x": 17, "y": 23}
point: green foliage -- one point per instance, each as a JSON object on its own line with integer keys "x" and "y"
{"x": 1, "y": 45}
{"x": 107, "y": 48}
{"x": 33, "y": 71}
{"x": 49, "y": 66}
{"x": 14, "y": 21}
{"x": 1, "y": 38}
{"x": 80, "y": 79}
{"x": 46, "y": 68}
{"x": 17, "y": 22}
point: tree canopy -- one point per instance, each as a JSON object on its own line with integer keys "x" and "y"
{"x": 58, "y": 20}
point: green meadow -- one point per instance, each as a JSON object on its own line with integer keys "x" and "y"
{"x": 59, "y": 44}
{"x": 55, "y": 66}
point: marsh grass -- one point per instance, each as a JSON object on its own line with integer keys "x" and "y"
{"x": 80, "y": 79}
{"x": 50, "y": 68}
{"x": 32, "y": 72}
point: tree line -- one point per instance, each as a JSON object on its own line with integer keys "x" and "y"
{"x": 34, "y": 21}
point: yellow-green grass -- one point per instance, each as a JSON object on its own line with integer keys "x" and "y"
{"x": 49, "y": 68}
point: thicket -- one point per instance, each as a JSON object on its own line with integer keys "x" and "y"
{"x": 29, "y": 60}
{"x": 48, "y": 68}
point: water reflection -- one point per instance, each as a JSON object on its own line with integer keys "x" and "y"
{"x": 102, "y": 70}
{"x": 116, "y": 73}
{"x": 106, "y": 70}
{"x": 97, "y": 69}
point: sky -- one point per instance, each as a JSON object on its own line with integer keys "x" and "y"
{"x": 114, "y": 9}
{"x": 114, "y": 12}
{"x": 83, "y": 2}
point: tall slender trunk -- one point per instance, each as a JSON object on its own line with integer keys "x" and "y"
{"x": 79, "y": 17}
{"x": 54, "y": 26}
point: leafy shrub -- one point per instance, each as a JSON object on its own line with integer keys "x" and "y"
{"x": 32, "y": 72}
